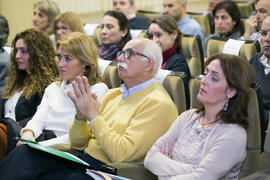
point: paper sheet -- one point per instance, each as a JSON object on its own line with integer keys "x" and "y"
{"x": 233, "y": 46}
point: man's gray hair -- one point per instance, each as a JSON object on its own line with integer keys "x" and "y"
{"x": 153, "y": 51}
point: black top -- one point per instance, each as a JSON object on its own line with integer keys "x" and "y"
{"x": 262, "y": 79}
{"x": 24, "y": 111}
{"x": 177, "y": 62}
{"x": 139, "y": 22}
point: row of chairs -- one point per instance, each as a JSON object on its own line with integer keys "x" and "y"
{"x": 245, "y": 8}
{"x": 193, "y": 52}
{"x": 182, "y": 91}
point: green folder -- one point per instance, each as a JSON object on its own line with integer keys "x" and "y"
{"x": 58, "y": 153}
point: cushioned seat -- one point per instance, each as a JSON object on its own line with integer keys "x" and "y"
{"x": 203, "y": 19}
{"x": 245, "y": 8}
{"x": 248, "y": 50}
{"x": 265, "y": 157}
{"x": 192, "y": 50}
{"x": 149, "y": 14}
{"x": 109, "y": 72}
{"x": 176, "y": 84}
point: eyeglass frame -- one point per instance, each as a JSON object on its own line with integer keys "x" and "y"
{"x": 131, "y": 52}
{"x": 263, "y": 31}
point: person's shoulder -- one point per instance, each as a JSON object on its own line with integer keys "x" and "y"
{"x": 177, "y": 56}
{"x": 231, "y": 130}
{"x": 255, "y": 59}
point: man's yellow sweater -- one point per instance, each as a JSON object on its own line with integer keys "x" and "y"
{"x": 126, "y": 129}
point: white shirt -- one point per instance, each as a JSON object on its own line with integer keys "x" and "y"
{"x": 11, "y": 105}
{"x": 264, "y": 62}
{"x": 56, "y": 111}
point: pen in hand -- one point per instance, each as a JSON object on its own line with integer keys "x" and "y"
{"x": 25, "y": 140}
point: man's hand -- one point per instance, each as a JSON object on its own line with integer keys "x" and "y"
{"x": 85, "y": 102}
{"x": 250, "y": 25}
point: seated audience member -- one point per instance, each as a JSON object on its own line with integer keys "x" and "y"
{"x": 211, "y": 6}
{"x": 261, "y": 64}
{"x": 45, "y": 12}
{"x": 77, "y": 56}
{"x": 115, "y": 34}
{"x": 121, "y": 129}
{"x": 4, "y": 55}
{"x": 163, "y": 31}
{"x": 32, "y": 69}
{"x": 128, "y": 8}
{"x": 227, "y": 22}
{"x": 177, "y": 10}
{"x": 209, "y": 142}
{"x": 66, "y": 23}
{"x": 253, "y": 24}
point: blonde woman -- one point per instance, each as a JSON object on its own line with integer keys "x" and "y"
{"x": 77, "y": 56}
{"x": 45, "y": 12}
{"x": 66, "y": 23}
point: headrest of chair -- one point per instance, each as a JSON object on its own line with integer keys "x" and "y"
{"x": 102, "y": 65}
{"x": 161, "y": 75}
{"x": 89, "y": 29}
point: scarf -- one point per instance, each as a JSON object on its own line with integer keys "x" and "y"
{"x": 108, "y": 52}
{"x": 166, "y": 54}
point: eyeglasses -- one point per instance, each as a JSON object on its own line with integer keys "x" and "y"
{"x": 264, "y": 33}
{"x": 129, "y": 52}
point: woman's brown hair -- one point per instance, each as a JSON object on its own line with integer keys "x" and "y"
{"x": 42, "y": 68}
{"x": 239, "y": 75}
{"x": 169, "y": 25}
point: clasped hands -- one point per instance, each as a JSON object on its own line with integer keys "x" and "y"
{"x": 86, "y": 103}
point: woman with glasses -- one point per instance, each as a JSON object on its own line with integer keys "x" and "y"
{"x": 32, "y": 69}
{"x": 77, "y": 56}
{"x": 66, "y": 23}
{"x": 114, "y": 34}
{"x": 164, "y": 31}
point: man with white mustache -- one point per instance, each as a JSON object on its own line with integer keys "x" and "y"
{"x": 130, "y": 118}
{"x": 122, "y": 128}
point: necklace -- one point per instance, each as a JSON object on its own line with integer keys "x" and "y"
{"x": 199, "y": 126}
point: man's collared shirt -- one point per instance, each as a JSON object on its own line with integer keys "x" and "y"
{"x": 128, "y": 92}
{"x": 190, "y": 26}
{"x": 264, "y": 62}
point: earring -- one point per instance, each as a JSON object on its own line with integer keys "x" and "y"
{"x": 83, "y": 70}
{"x": 225, "y": 108}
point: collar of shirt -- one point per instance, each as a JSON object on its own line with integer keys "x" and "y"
{"x": 184, "y": 20}
{"x": 128, "y": 92}
{"x": 263, "y": 60}
{"x": 66, "y": 87}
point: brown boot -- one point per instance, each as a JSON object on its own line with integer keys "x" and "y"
{"x": 3, "y": 140}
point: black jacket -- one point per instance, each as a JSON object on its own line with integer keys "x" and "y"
{"x": 24, "y": 111}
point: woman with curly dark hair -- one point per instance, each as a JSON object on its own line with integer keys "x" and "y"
{"x": 33, "y": 68}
